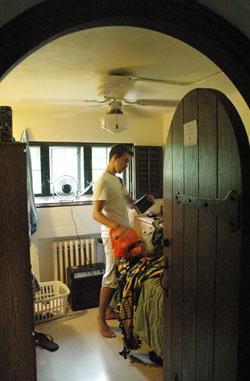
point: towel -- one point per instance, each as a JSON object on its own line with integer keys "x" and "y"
{"x": 32, "y": 213}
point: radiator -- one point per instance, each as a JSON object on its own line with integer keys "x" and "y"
{"x": 74, "y": 252}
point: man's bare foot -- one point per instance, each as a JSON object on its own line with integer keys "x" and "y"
{"x": 104, "y": 329}
{"x": 111, "y": 314}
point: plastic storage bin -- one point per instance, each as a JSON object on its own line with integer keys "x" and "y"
{"x": 50, "y": 303}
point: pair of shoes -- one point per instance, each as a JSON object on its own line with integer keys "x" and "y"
{"x": 45, "y": 341}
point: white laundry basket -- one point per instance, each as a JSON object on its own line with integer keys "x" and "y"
{"x": 50, "y": 303}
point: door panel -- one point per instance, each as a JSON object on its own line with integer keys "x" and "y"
{"x": 207, "y": 233}
{"x": 177, "y": 264}
{"x": 190, "y": 179}
{"x": 168, "y": 213}
{"x": 228, "y": 253}
{"x": 202, "y": 304}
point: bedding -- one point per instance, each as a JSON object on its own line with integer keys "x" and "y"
{"x": 149, "y": 316}
{"x": 133, "y": 274}
{"x": 139, "y": 297}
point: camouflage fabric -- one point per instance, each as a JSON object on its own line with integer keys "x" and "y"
{"x": 132, "y": 273}
{"x": 157, "y": 237}
{"x": 152, "y": 242}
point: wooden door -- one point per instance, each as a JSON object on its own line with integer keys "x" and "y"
{"x": 206, "y": 331}
{"x": 17, "y": 347}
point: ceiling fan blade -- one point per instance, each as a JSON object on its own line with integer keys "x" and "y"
{"x": 95, "y": 101}
{"x": 126, "y": 73}
{"x": 133, "y": 111}
{"x": 52, "y": 101}
{"x": 178, "y": 83}
{"x": 153, "y": 102}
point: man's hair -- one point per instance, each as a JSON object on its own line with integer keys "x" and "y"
{"x": 119, "y": 150}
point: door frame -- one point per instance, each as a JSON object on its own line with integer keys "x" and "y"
{"x": 189, "y": 22}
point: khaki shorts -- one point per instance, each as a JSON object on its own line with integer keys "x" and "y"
{"x": 109, "y": 278}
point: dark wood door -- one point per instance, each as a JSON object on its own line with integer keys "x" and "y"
{"x": 207, "y": 254}
{"x": 17, "y": 348}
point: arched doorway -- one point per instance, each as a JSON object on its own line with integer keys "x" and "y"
{"x": 190, "y": 23}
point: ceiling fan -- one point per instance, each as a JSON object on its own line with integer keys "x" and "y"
{"x": 113, "y": 90}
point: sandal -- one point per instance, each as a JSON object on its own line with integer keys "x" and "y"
{"x": 45, "y": 341}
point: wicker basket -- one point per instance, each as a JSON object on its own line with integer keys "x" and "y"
{"x": 50, "y": 303}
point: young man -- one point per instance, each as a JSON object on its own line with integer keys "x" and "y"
{"x": 111, "y": 201}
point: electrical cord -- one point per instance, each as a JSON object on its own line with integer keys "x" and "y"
{"x": 77, "y": 234}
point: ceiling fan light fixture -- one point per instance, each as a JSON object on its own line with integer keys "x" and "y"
{"x": 114, "y": 121}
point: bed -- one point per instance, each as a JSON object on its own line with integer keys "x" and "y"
{"x": 139, "y": 297}
{"x": 149, "y": 317}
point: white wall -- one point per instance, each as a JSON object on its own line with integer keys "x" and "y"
{"x": 78, "y": 127}
{"x": 57, "y": 223}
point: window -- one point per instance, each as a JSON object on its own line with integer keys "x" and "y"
{"x": 84, "y": 162}
{"x": 35, "y": 153}
{"x": 67, "y": 161}
{"x": 100, "y": 158}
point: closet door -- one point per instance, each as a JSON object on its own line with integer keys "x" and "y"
{"x": 17, "y": 352}
{"x": 207, "y": 156}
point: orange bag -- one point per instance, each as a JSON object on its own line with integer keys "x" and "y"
{"x": 125, "y": 247}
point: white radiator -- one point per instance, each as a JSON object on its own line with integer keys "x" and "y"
{"x": 74, "y": 252}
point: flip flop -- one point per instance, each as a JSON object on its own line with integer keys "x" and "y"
{"x": 46, "y": 341}
{"x": 153, "y": 357}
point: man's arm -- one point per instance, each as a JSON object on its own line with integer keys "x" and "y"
{"x": 99, "y": 216}
{"x": 130, "y": 200}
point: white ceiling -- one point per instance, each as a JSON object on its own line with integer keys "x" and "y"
{"x": 62, "y": 74}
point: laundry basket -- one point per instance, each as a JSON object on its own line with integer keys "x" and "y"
{"x": 50, "y": 303}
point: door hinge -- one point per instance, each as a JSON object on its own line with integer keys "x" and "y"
{"x": 226, "y": 208}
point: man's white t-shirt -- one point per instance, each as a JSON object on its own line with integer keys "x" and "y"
{"x": 109, "y": 188}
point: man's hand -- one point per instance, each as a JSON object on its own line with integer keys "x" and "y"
{"x": 122, "y": 231}
{"x": 151, "y": 198}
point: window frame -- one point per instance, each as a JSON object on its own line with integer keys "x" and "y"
{"x": 45, "y": 163}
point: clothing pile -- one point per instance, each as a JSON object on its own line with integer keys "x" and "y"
{"x": 132, "y": 272}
